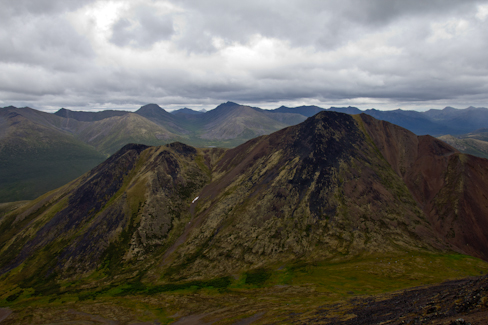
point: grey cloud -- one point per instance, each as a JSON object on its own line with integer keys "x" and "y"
{"x": 13, "y": 8}
{"x": 142, "y": 29}
{"x": 325, "y": 24}
{"x": 381, "y": 12}
{"x": 43, "y": 59}
{"x": 49, "y": 42}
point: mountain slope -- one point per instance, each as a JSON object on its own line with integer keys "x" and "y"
{"x": 480, "y": 134}
{"x": 36, "y": 156}
{"x": 110, "y": 134}
{"x": 448, "y": 186}
{"x": 434, "y": 122}
{"x": 88, "y": 116}
{"x": 186, "y": 111}
{"x": 158, "y": 115}
{"x": 233, "y": 121}
{"x": 283, "y": 223}
{"x": 416, "y": 122}
{"x": 307, "y": 111}
{"x": 335, "y": 186}
{"x": 285, "y": 118}
{"x": 85, "y": 138}
{"x": 299, "y": 193}
{"x": 461, "y": 120}
{"x": 467, "y": 145}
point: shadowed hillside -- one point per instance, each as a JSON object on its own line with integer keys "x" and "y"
{"x": 36, "y": 156}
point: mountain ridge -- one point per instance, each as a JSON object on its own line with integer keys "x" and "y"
{"x": 337, "y": 172}
{"x": 228, "y": 125}
{"x": 331, "y": 208}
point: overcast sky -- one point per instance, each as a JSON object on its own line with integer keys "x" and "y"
{"x": 387, "y": 54}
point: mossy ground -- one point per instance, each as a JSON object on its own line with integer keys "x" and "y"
{"x": 276, "y": 292}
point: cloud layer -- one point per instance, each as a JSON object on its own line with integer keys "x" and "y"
{"x": 121, "y": 54}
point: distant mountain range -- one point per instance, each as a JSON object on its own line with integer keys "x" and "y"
{"x": 434, "y": 122}
{"x": 279, "y": 211}
{"x": 41, "y": 151}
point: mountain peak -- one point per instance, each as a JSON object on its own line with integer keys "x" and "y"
{"x": 150, "y": 107}
{"x": 63, "y": 112}
{"x": 186, "y": 110}
{"x": 152, "y": 111}
{"x": 228, "y": 104}
{"x": 449, "y": 109}
{"x": 348, "y": 110}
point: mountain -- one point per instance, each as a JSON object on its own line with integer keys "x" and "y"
{"x": 414, "y": 121}
{"x": 434, "y": 122}
{"x": 40, "y": 151}
{"x": 37, "y": 155}
{"x": 158, "y": 115}
{"x": 479, "y": 134}
{"x": 231, "y": 124}
{"x": 307, "y": 111}
{"x": 470, "y": 146}
{"x": 461, "y": 120}
{"x": 231, "y": 121}
{"x": 288, "y": 118}
{"x": 228, "y": 125}
{"x": 188, "y": 111}
{"x": 278, "y": 225}
{"x": 88, "y": 116}
{"x": 78, "y": 141}
{"x": 448, "y": 185}
{"x": 348, "y": 110}
{"x": 334, "y": 185}
{"x": 474, "y": 143}
{"x": 110, "y": 134}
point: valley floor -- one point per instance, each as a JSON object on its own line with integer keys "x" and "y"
{"x": 458, "y": 300}
{"x": 408, "y": 288}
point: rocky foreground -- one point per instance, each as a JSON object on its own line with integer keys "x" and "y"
{"x": 457, "y": 302}
{"x": 453, "y": 302}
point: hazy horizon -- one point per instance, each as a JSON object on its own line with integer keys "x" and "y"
{"x": 209, "y": 108}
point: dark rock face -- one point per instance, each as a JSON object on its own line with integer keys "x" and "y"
{"x": 182, "y": 149}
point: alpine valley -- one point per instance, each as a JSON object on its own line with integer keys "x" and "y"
{"x": 41, "y": 151}
{"x": 339, "y": 219}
